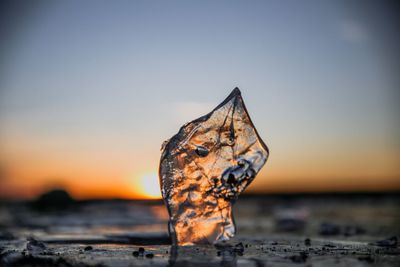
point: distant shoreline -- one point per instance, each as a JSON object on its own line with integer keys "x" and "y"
{"x": 289, "y": 195}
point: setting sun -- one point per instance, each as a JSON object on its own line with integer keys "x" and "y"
{"x": 147, "y": 186}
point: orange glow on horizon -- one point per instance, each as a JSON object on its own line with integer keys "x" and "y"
{"x": 146, "y": 186}
{"x": 95, "y": 175}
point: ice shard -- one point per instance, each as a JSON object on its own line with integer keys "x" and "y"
{"x": 205, "y": 167}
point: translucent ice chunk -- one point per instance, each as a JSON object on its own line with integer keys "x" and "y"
{"x": 204, "y": 168}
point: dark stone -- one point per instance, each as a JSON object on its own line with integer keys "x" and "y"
{"x": 301, "y": 258}
{"x": 307, "y": 242}
{"x": 239, "y": 246}
{"x": 149, "y": 255}
{"x": 35, "y": 246}
{"x": 88, "y": 248}
{"x": 390, "y": 242}
{"x": 135, "y": 254}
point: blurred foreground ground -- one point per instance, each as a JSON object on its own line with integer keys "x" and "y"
{"x": 294, "y": 230}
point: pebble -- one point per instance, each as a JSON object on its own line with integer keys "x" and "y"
{"x": 301, "y": 258}
{"x": 34, "y": 246}
{"x": 149, "y": 255}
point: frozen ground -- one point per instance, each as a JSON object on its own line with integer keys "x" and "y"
{"x": 299, "y": 230}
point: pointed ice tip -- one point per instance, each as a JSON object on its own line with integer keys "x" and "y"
{"x": 236, "y": 91}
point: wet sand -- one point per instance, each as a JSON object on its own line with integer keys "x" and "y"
{"x": 293, "y": 230}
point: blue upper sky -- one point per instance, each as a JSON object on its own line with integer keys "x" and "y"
{"x": 83, "y": 78}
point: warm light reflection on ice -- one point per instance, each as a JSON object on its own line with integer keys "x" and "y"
{"x": 204, "y": 168}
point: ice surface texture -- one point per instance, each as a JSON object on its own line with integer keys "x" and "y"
{"x": 204, "y": 168}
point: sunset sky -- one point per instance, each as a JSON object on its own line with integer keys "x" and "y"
{"x": 89, "y": 90}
